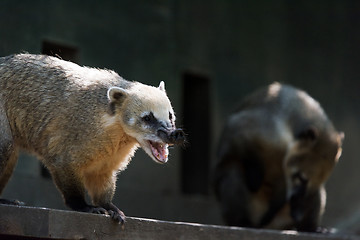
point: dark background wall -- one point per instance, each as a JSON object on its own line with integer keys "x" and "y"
{"x": 209, "y": 52}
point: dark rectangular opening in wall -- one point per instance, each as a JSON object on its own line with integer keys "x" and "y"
{"x": 196, "y": 154}
{"x": 65, "y": 52}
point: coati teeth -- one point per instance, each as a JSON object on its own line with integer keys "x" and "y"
{"x": 159, "y": 151}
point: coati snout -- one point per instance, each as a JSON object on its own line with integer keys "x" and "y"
{"x": 176, "y": 136}
{"x": 159, "y": 149}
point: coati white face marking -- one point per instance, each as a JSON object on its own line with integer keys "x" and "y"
{"x": 146, "y": 114}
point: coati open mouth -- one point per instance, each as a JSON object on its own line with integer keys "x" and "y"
{"x": 160, "y": 151}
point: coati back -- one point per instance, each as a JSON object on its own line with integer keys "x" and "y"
{"x": 275, "y": 155}
{"x": 83, "y": 123}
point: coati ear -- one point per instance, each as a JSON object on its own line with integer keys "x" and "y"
{"x": 116, "y": 94}
{"x": 162, "y": 86}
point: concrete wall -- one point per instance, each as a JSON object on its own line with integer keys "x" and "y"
{"x": 238, "y": 45}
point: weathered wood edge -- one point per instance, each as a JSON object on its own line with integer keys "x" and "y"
{"x": 58, "y": 224}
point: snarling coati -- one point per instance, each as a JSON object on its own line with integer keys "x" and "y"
{"x": 83, "y": 123}
{"x": 275, "y": 154}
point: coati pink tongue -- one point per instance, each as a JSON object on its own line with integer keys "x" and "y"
{"x": 159, "y": 150}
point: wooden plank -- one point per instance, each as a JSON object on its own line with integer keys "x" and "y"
{"x": 41, "y": 223}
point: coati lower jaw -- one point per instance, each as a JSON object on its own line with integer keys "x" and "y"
{"x": 158, "y": 151}
{"x": 146, "y": 114}
{"x": 153, "y": 146}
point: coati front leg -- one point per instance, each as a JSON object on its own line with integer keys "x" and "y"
{"x": 306, "y": 205}
{"x": 8, "y": 158}
{"x": 8, "y": 155}
{"x": 238, "y": 176}
{"x": 233, "y": 196}
{"x": 73, "y": 190}
{"x": 101, "y": 188}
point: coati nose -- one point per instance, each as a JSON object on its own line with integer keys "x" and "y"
{"x": 177, "y": 136}
{"x": 174, "y": 137}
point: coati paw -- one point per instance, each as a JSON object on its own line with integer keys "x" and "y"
{"x": 117, "y": 216}
{"x": 97, "y": 210}
{"x": 110, "y": 210}
{"x": 115, "y": 213}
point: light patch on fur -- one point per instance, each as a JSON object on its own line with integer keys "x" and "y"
{"x": 99, "y": 173}
{"x": 93, "y": 75}
{"x": 152, "y": 99}
{"x": 311, "y": 103}
{"x": 75, "y": 72}
{"x": 122, "y": 148}
{"x": 322, "y": 200}
{"x": 338, "y": 154}
{"x": 131, "y": 121}
{"x": 143, "y": 114}
{"x": 54, "y": 143}
{"x": 19, "y": 118}
{"x": 109, "y": 121}
{"x": 274, "y": 90}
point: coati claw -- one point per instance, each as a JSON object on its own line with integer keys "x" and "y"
{"x": 98, "y": 210}
{"x": 117, "y": 216}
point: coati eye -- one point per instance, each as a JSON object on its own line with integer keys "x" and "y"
{"x": 148, "y": 118}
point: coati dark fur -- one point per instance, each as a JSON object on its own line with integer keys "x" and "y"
{"x": 275, "y": 154}
{"x": 83, "y": 123}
